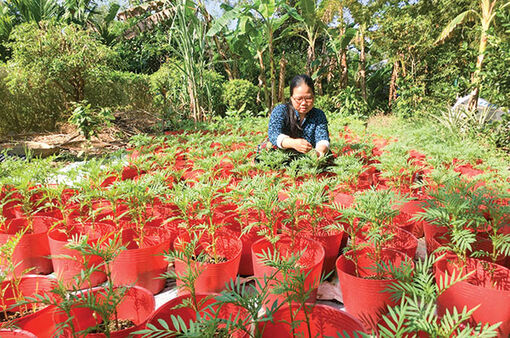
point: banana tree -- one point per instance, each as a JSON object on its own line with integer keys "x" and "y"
{"x": 485, "y": 18}
{"x": 363, "y": 13}
{"x": 310, "y": 27}
{"x": 101, "y": 24}
{"x": 257, "y": 21}
{"x": 79, "y": 12}
{"x": 33, "y": 10}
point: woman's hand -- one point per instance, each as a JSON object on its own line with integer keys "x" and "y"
{"x": 321, "y": 150}
{"x": 299, "y": 144}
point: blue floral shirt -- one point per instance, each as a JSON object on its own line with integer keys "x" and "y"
{"x": 315, "y": 125}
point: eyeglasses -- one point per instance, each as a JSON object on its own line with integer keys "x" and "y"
{"x": 303, "y": 98}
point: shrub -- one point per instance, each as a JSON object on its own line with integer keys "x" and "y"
{"x": 170, "y": 94}
{"x": 28, "y": 103}
{"x": 325, "y": 103}
{"x": 112, "y": 88}
{"x": 52, "y": 65}
{"x": 89, "y": 120}
{"x": 65, "y": 56}
{"x": 167, "y": 86}
{"x": 237, "y": 93}
{"x": 215, "y": 81}
{"x": 349, "y": 102}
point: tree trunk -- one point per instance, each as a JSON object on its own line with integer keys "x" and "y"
{"x": 310, "y": 56}
{"x": 475, "y": 80}
{"x": 263, "y": 80}
{"x": 272, "y": 70}
{"x": 229, "y": 69}
{"x": 362, "y": 67}
{"x": 192, "y": 102}
{"x": 344, "y": 77}
{"x": 318, "y": 80}
{"x": 393, "y": 84}
{"x": 332, "y": 65}
{"x": 281, "y": 81}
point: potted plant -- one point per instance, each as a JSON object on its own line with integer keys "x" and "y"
{"x": 216, "y": 253}
{"x": 15, "y": 289}
{"x": 144, "y": 237}
{"x": 416, "y": 314}
{"x": 106, "y": 311}
{"x": 368, "y": 268}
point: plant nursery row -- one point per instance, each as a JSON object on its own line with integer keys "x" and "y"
{"x": 249, "y": 237}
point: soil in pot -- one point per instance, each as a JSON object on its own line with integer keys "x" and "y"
{"x": 206, "y": 309}
{"x": 136, "y": 307}
{"x": 32, "y": 317}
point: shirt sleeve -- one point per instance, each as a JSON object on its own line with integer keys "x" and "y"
{"x": 321, "y": 129}
{"x": 276, "y": 125}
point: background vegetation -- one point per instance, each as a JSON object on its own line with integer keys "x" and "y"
{"x": 174, "y": 58}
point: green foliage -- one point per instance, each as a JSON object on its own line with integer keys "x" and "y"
{"x": 118, "y": 89}
{"x": 325, "y": 103}
{"x": 169, "y": 89}
{"x": 52, "y": 65}
{"x": 350, "y": 102}
{"x": 238, "y": 93}
{"x": 417, "y": 310}
{"x": 63, "y": 55}
{"x": 500, "y": 132}
{"x": 88, "y": 120}
{"x": 147, "y": 51}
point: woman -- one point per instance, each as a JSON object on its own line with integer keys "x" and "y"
{"x": 297, "y": 125}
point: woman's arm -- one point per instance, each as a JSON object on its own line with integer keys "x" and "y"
{"x": 276, "y": 132}
{"x": 321, "y": 134}
{"x": 276, "y": 125}
{"x": 299, "y": 144}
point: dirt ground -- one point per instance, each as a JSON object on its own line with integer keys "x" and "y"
{"x": 67, "y": 140}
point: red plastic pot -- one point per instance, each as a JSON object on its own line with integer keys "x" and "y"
{"x": 331, "y": 243}
{"x": 174, "y": 308}
{"x": 330, "y": 240}
{"x": 311, "y": 258}
{"x": 409, "y": 210}
{"x": 213, "y": 276}
{"x": 431, "y": 230}
{"x": 481, "y": 244}
{"x": 246, "y": 264}
{"x": 363, "y": 295}
{"x": 489, "y": 291}
{"x": 140, "y": 266}
{"x": 66, "y": 268}
{"x": 32, "y": 251}
{"x": 325, "y": 321}
{"x": 39, "y": 322}
{"x": 137, "y": 305}
{"x": 6, "y": 333}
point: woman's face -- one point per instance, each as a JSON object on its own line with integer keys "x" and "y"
{"x": 302, "y": 98}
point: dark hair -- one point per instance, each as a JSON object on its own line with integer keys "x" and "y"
{"x": 295, "y": 129}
